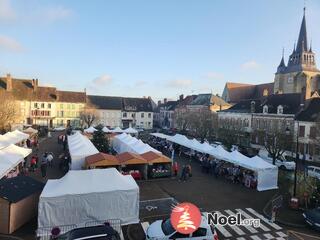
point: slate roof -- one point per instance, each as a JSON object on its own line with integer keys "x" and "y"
{"x": 186, "y": 101}
{"x": 311, "y": 112}
{"x": 239, "y": 91}
{"x": 18, "y": 188}
{"x": 290, "y": 102}
{"x": 105, "y": 102}
{"x": 244, "y": 106}
{"x": 169, "y": 106}
{"x": 137, "y": 104}
{"x": 74, "y": 97}
{"x": 22, "y": 89}
{"x": 208, "y": 100}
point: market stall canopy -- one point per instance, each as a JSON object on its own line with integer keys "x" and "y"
{"x": 161, "y": 135}
{"x": 30, "y": 130}
{"x": 93, "y": 195}
{"x": 128, "y": 158}
{"x": 130, "y": 130}
{"x": 79, "y": 148}
{"x": 10, "y": 157}
{"x": 117, "y": 130}
{"x": 90, "y": 130}
{"x": 106, "y": 130}
{"x": 126, "y": 143}
{"x": 153, "y": 157}
{"x": 12, "y": 138}
{"x": 101, "y": 160}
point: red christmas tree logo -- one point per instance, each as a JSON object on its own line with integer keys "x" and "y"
{"x": 185, "y": 218}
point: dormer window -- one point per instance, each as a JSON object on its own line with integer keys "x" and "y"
{"x": 265, "y": 92}
{"x": 265, "y": 109}
{"x": 280, "y": 109}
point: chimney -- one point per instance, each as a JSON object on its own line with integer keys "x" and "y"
{"x": 253, "y": 107}
{"x": 159, "y": 102}
{"x": 181, "y": 97}
{"x": 165, "y": 100}
{"x": 149, "y": 97}
{"x": 9, "y": 82}
{"x": 35, "y": 84}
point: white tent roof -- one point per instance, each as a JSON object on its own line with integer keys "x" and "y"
{"x": 89, "y": 195}
{"x": 126, "y": 143}
{"x": 12, "y": 138}
{"x": 88, "y": 181}
{"x": 130, "y": 130}
{"x": 79, "y": 148}
{"x": 30, "y": 130}
{"x": 161, "y": 135}
{"x": 90, "y": 130}
{"x": 117, "y": 130}
{"x": 106, "y": 130}
{"x": 10, "y": 157}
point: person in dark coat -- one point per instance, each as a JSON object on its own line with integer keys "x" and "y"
{"x": 44, "y": 164}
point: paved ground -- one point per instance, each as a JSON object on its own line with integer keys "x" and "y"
{"x": 208, "y": 193}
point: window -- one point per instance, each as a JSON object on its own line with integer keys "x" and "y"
{"x": 313, "y": 132}
{"x": 61, "y": 106}
{"x": 68, "y": 106}
{"x": 72, "y": 106}
{"x": 124, "y": 115}
{"x": 280, "y": 109}
{"x": 35, "y": 105}
{"x": 265, "y": 109}
{"x": 133, "y": 115}
{"x": 149, "y": 115}
{"x": 142, "y": 115}
{"x": 302, "y": 131}
{"x": 61, "y": 114}
{"x": 49, "y": 105}
{"x": 265, "y": 92}
{"x": 42, "y": 105}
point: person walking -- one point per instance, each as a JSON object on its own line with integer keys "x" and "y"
{"x": 188, "y": 171}
{"x": 44, "y": 163}
{"x": 50, "y": 159}
{"x": 183, "y": 173}
{"x": 33, "y": 163}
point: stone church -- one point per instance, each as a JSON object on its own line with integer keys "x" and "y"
{"x": 300, "y": 75}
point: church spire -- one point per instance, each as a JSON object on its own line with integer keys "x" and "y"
{"x": 282, "y": 65}
{"x": 302, "y": 44}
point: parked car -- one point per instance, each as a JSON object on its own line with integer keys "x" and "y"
{"x": 282, "y": 163}
{"x": 102, "y": 232}
{"x": 312, "y": 217}
{"x": 162, "y": 229}
{"x": 314, "y": 171}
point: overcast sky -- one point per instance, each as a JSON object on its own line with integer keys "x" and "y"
{"x": 158, "y": 48}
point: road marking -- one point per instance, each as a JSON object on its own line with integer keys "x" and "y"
{"x": 145, "y": 226}
{"x": 249, "y": 228}
{"x": 254, "y": 237}
{"x": 221, "y": 229}
{"x": 241, "y": 238}
{"x": 275, "y": 226}
{"x": 281, "y": 234}
{"x": 268, "y": 236}
{"x": 264, "y": 228}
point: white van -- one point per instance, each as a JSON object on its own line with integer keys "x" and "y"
{"x": 314, "y": 171}
{"x": 282, "y": 163}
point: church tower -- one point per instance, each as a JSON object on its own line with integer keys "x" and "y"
{"x": 301, "y": 74}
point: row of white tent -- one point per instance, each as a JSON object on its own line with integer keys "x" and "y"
{"x": 129, "y": 130}
{"x": 79, "y": 148}
{"x": 267, "y": 173}
{"x": 10, "y": 157}
{"x": 12, "y": 138}
{"x": 126, "y": 143}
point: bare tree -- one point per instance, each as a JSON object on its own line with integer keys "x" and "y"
{"x": 89, "y": 115}
{"x": 9, "y": 111}
{"x": 276, "y": 143}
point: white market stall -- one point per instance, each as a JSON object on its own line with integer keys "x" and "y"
{"x": 30, "y": 131}
{"x": 79, "y": 148}
{"x": 11, "y": 157}
{"x": 126, "y": 143}
{"x": 14, "y": 137}
{"x": 90, "y": 130}
{"x": 130, "y": 130}
{"x": 90, "y": 195}
{"x": 106, "y": 130}
{"x": 267, "y": 174}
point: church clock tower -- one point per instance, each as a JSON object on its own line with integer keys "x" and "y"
{"x": 301, "y": 74}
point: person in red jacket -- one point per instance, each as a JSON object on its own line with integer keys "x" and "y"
{"x": 175, "y": 168}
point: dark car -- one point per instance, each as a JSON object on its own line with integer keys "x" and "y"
{"x": 312, "y": 217}
{"x": 103, "y": 232}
